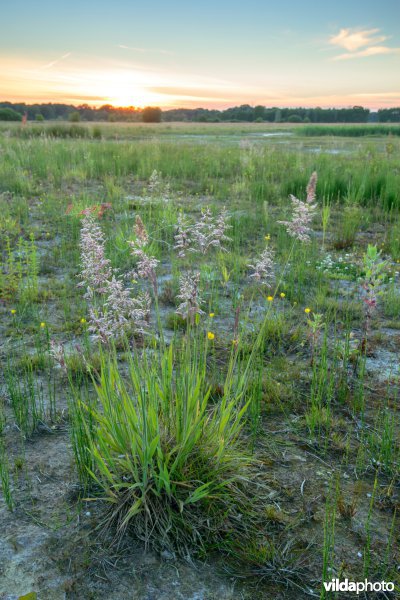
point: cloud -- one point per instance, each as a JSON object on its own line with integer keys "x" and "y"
{"x": 361, "y": 43}
{"x": 379, "y": 95}
{"x": 143, "y": 50}
{"x": 371, "y": 51}
{"x": 54, "y": 62}
{"x": 352, "y": 39}
{"x": 194, "y": 93}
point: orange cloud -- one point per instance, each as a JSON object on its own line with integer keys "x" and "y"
{"x": 354, "y": 39}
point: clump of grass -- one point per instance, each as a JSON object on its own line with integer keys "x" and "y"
{"x": 169, "y": 463}
{"x": 391, "y": 301}
{"x": 392, "y": 245}
{"x": 346, "y": 235}
{"x": 382, "y": 445}
{"x": 5, "y": 478}
{"x": 56, "y": 131}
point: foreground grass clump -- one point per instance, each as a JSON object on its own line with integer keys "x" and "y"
{"x": 170, "y": 464}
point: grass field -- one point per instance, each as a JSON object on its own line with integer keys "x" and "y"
{"x": 195, "y": 364}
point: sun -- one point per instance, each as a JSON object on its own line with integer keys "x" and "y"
{"x": 132, "y": 96}
{"x": 126, "y": 89}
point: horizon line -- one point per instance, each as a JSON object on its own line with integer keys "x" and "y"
{"x": 169, "y": 108}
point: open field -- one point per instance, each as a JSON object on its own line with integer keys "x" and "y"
{"x": 202, "y": 384}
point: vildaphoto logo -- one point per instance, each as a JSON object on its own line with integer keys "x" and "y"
{"x": 335, "y": 585}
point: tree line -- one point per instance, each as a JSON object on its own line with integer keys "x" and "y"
{"x": 245, "y": 113}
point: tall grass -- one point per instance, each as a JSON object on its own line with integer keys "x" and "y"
{"x": 234, "y": 173}
{"x": 348, "y": 130}
{"x": 167, "y": 460}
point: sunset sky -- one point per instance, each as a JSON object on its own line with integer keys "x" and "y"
{"x": 212, "y": 54}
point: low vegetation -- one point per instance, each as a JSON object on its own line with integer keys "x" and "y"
{"x": 200, "y": 350}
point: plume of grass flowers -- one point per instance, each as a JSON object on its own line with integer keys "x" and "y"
{"x": 371, "y": 286}
{"x": 145, "y": 263}
{"x": 142, "y": 237}
{"x": 199, "y": 237}
{"x": 157, "y": 188}
{"x": 113, "y": 311}
{"x": 302, "y": 213}
{"x": 312, "y": 188}
{"x": 189, "y": 296}
{"x": 263, "y": 268}
{"x": 183, "y": 238}
{"x": 121, "y": 313}
{"x": 96, "y": 269}
{"x": 57, "y": 353}
{"x": 207, "y": 233}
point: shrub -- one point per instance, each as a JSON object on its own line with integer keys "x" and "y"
{"x": 96, "y": 133}
{"x": 294, "y": 119}
{"x": 8, "y": 114}
{"x": 151, "y": 114}
{"x": 74, "y": 117}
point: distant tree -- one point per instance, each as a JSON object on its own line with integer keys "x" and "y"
{"x": 356, "y": 114}
{"x": 151, "y": 114}
{"x": 9, "y": 114}
{"x": 245, "y": 113}
{"x": 259, "y": 113}
{"x": 74, "y": 117}
{"x": 234, "y": 114}
{"x": 269, "y": 115}
{"x": 389, "y": 115}
{"x": 294, "y": 119}
{"x": 39, "y": 117}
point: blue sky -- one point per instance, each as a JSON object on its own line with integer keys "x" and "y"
{"x": 182, "y": 53}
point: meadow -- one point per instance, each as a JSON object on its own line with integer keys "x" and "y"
{"x": 200, "y": 332}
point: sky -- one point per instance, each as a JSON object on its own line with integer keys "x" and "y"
{"x": 215, "y": 54}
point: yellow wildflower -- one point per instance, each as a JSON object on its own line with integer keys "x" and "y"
{"x": 42, "y": 324}
{"x": 211, "y": 315}
{"x": 307, "y": 310}
{"x": 267, "y": 237}
{"x": 270, "y": 298}
{"x": 13, "y": 311}
{"x": 83, "y": 320}
{"x": 282, "y": 294}
{"x": 210, "y": 335}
